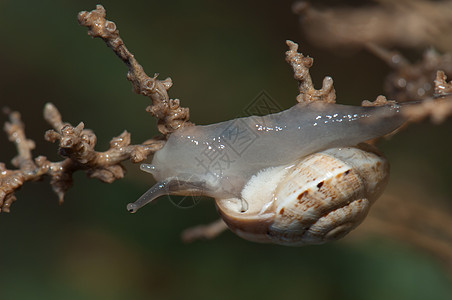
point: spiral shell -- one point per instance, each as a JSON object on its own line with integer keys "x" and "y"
{"x": 320, "y": 198}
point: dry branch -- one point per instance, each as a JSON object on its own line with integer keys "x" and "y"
{"x": 208, "y": 231}
{"x": 301, "y": 65}
{"x": 438, "y": 108}
{"x": 412, "y": 81}
{"x": 77, "y": 145}
{"x": 416, "y": 222}
{"x": 403, "y": 23}
{"x": 171, "y": 116}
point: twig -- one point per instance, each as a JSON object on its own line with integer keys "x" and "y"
{"x": 12, "y": 180}
{"x": 209, "y": 231}
{"x": 171, "y": 116}
{"x": 406, "y": 23}
{"x": 412, "y": 81}
{"x": 301, "y": 66}
{"x": 437, "y": 109}
{"x": 422, "y": 225}
{"x": 77, "y": 145}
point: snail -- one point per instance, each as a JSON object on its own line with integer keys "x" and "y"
{"x": 301, "y": 176}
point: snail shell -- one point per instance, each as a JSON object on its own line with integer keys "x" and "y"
{"x": 257, "y": 167}
{"x": 320, "y": 198}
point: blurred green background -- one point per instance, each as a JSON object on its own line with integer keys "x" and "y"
{"x": 220, "y": 55}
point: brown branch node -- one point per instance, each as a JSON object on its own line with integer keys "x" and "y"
{"x": 380, "y": 101}
{"x": 442, "y": 87}
{"x": 301, "y": 65}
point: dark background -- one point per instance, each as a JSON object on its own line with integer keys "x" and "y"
{"x": 220, "y": 55}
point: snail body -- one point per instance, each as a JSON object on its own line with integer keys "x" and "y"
{"x": 257, "y": 167}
